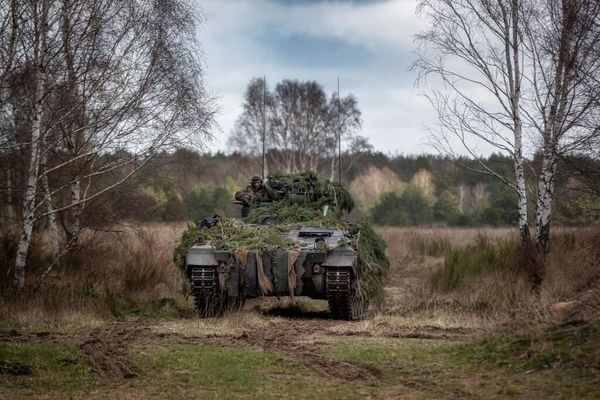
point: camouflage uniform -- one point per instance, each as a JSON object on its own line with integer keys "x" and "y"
{"x": 256, "y": 191}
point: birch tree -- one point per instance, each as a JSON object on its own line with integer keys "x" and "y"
{"x": 475, "y": 49}
{"x": 115, "y": 84}
{"x": 565, "y": 57}
{"x": 40, "y": 13}
{"x": 538, "y": 62}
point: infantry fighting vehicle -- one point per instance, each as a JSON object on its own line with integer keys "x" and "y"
{"x": 321, "y": 263}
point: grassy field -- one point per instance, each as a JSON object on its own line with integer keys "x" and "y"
{"x": 459, "y": 322}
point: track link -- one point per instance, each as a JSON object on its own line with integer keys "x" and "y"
{"x": 205, "y": 289}
{"x": 342, "y": 299}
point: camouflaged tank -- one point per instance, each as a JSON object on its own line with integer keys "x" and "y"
{"x": 316, "y": 261}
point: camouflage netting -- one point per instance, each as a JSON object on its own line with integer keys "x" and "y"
{"x": 247, "y": 235}
{"x": 320, "y": 193}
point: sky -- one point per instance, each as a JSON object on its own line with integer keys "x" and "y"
{"x": 368, "y": 44}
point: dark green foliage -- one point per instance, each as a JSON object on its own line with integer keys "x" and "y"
{"x": 318, "y": 192}
{"x": 284, "y": 213}
{"x": 409, "y": 208}
{"x": 168, "y": 188}
{"x": 208, "y": 200}
{"x": 503, "y": 206}
{"x": 373, "y": 264}
{"x": 390, "y": 210}
{"x": 579, "y": 209}
{"x": 446, "y": 208}
{"x": 188, "y": 238}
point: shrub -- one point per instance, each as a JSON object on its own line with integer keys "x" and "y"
{"x": 409, "y": 208}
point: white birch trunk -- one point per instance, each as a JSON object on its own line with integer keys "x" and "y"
{"x": 31, "y": 188}
{"x": 521, "y": 188}
{"x": 34, "y": 161}
{"x": 332, "y": 172}
{"x": 545, "y": 193}
{"x": 76, "y": 208}
{"x": 518, "y": 128}
{"x": 4, "y": 125}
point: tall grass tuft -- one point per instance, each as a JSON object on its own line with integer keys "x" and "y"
{"x": 463, "y": 265}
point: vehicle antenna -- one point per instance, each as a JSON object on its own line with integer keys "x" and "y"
{"x": 339, "y": 134}
{"x": 264, "y": 129}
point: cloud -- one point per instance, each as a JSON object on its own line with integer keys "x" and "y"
{"x": 368, "y": 44}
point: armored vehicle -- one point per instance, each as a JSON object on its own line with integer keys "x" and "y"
{"x": 306, "y": 257}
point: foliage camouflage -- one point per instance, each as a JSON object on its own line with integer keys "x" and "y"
{"x": 320, "y": 192}
{"x": 248, "y": 234}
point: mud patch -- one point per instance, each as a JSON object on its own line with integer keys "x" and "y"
{"x": 107, "y": 348}
{"x": 296, "y": 341}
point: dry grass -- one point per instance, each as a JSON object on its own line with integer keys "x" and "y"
{"x": 110, "y": 274}
{"x": 475, "y": 274}
{"x": 439, "y": 278}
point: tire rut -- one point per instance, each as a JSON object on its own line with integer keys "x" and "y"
{"x": 106, "y": 348}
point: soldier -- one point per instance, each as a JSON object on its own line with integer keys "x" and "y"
{"x": 256, "y": 191}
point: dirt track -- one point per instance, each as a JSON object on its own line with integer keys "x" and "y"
{"x": 107, "y": 348}
{"x": 292, "y": 334}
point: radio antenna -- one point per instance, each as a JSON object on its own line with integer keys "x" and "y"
{"x": 264, "y": 129}
{"x": 339, "y": 133}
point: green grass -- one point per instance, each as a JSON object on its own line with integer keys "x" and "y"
{"x": 230, "y": 372}
{"x": 560, "y": 347}
{"x": 172, "y": 371}
{"x": 562, "y": 363}
{"x": 421, "y": 368}
{"x": 56, "y": 369}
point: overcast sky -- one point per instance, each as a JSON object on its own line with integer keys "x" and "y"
{"x": 367, "y": 43}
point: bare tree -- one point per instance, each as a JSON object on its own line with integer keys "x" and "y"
{"x": 248, "y": 130}
{"x": 563, "y": 49}
{"x": 41, "y": 20}
{"x": 115, "y": 84}
{"x": 479, "y": 44}
{"x": 302, "y": 124}
{"x": 538, "y": 63}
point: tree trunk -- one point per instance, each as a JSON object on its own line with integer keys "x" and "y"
{"x": 4, "y": 127}
{"x": 332, "y": 171}
{"x": 31, "y": 188}
{"x": 34, "y": 161}
{"x": 515, "y": 84}
{"x": 521, "y": 199}
{"x": 76, "y": 209}
{"x": 545, "y": 193}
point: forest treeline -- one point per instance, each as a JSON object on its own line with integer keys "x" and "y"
{"x": 390, "y": 190}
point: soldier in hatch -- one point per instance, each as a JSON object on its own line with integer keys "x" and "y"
{"x": 256, "y": 191}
